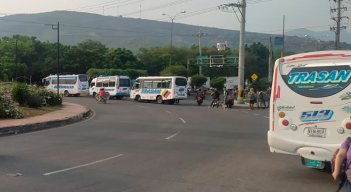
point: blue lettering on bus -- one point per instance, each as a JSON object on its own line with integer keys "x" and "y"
{"x": 316, "y": 116}
{"x": 334, "y": 76}
{"x": 64, "y": 87}
{"x": 151, "y": 91}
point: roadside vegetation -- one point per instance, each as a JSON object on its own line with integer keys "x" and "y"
{"x": 18, "y": 100}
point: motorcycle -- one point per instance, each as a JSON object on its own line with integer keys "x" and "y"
{"x": 199, "y": 99}
{"x": 101, "y": 99}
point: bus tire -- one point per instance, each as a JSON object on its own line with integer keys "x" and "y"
{"x": 159, "y": 99}
{"x": 171, "y": 102}
{"x": 137, "y": 98}
{"x": 66, "y": 93}
{"x": 94, "y": 94}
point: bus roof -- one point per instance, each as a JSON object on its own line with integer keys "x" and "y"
{"x": 160, "y": 77}
{"x": 317, "y": 55}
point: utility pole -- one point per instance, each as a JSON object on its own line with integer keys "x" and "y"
{"x": 172, "y": 20}
{"x": 338, "y": 20}
{"x": 270, "y": 67}
{"x": 241, "y": 68}
{"x": 57, "y": 27}
{"x": 199, "y": 35}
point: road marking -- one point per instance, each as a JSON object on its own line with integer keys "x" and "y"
{"x": 140, "y": 106}
{"x": 244, "y": 111}
{"x": 256, "y": 114}
{"x": 83, "y": 165}
{"x": 168, "y": 112}
{"x": 170, "y": 137}
{"x": 182, "y": 120}
{"x": 266, "y": 117}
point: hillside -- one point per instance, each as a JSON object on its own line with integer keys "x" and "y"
{"x": 133, "y": 33}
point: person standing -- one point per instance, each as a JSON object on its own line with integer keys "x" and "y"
{"x": 344, "y": 152}
{"x": 252, "y": 98}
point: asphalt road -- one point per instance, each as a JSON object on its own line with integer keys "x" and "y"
{"x": 145, "y": 147}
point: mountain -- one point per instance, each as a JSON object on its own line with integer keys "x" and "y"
{"x": 134, "y": 33}
{"x": 345, "y": 36}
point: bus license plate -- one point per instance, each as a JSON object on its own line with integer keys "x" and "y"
{"x": 313, "y": 163}
{"x": 315, "y": 132}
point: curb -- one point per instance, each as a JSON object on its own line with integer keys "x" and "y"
{"x": 18, "y": 129}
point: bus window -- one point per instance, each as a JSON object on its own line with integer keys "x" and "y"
{"x": 105, "y": 83}
{"x": 317, "y": 82}
{"x": 181, "y": 82}
{"x": 147, "y": 85}
{"x": 112, "y": 84}
{"x": 124, "y": 83}
{"x": 83, "y": 78}
{"x": 92, "y": 84}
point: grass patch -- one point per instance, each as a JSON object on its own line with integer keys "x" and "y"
{"x": 31, "y": 112}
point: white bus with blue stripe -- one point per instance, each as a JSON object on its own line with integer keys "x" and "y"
{"x": 76, "y": 85}
{"x": 116, "y": 86}
{"x": 168, "y": 89}
{"x": 310, "y": 112}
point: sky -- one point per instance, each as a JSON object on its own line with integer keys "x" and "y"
{"x": 262, "y": 16}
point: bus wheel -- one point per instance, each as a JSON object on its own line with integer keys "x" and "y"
{"x": 66, "y": 94}
{"x": 137, "y": 98}
{"x": 94, "y": 94}
{"x": 171, "y": 102}
{"x": 159, "y": 99}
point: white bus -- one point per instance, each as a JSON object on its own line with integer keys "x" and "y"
{"x": 311, "y": 105}
{"x": 77, "y": 85}
{"x": 169, "y": 89}
{"x": 116, "y": 86}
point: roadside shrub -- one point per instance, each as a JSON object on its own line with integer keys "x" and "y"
{"x": 198, "y": 80}
{"x": 20, "y": 92}
{"x": 218, "y": 83}
{"x": 8, "y": 109}
{"x": 50, "y": 98}
{"x": 34, "y": 100}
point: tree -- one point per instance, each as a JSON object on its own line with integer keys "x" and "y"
{"x": 198, "y": 80}
{"x": 174, "y": 70}
{"x": 218, "y": 83}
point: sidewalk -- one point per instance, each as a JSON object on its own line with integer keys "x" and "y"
{"x": 69, "y": 113}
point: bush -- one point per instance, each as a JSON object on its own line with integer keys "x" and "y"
{"x": 8, "y": 109}
{"x": 51, "y": 98}
{"x": 34, "y": 100}
{"x": 198, "y": 80}
{"x": 218, "y": 83}
{"x": 20, "y": 92}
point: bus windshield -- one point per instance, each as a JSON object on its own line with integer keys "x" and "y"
{"x": 318, "y": 81}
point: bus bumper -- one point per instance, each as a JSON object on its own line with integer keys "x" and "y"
{"x": 322, "y": 152}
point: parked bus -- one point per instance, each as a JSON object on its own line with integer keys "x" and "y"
{"x": 169, "y": 89}
{"x": 116, "y": 86}
{"x": 311, "y": 105}
{"x": 77, "y": 85}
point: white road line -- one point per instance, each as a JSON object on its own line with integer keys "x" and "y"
{"x": 83, "y": 165}
{"x": 168, "y": 112}
{"x": 256, "y": 114}
{"x": 170, "y": 137}
{"x": 266, "y": 117}
{"x": 182, "y": 120}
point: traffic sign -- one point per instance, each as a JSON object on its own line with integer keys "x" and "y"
{"x": 254, "y": 77}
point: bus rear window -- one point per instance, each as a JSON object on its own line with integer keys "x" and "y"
{"x": 181, "y": 82}
{"x": 124, "y": 83}
{"x": 320, "y": 81}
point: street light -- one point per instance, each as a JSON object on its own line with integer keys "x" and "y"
{"x": 57, "y": 27}
{"x": 172, "y": 19}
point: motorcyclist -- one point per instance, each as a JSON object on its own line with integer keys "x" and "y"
{"x": 200, "y": 96}
{"x": 215, "y": 97}
{"x": 102, "y": 95}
